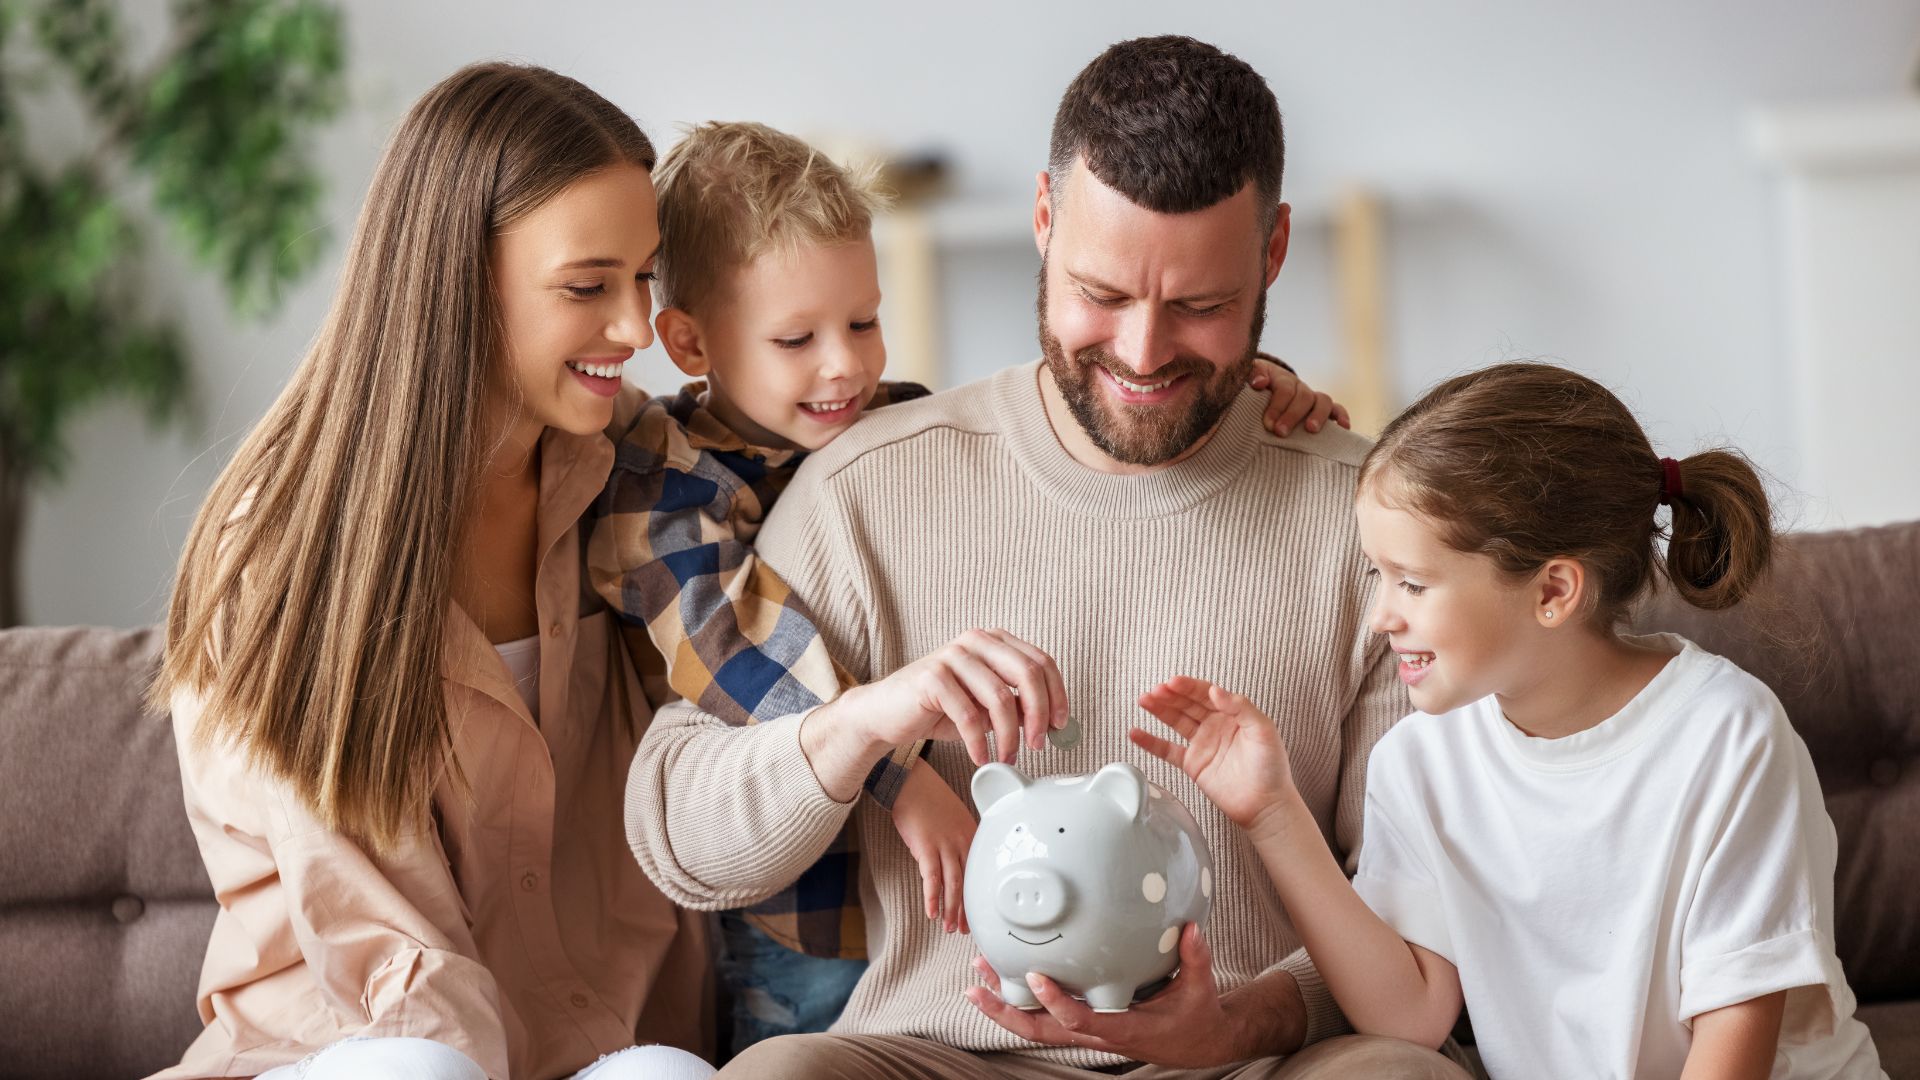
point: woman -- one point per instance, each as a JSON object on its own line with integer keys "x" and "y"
{"x": 404, "y": 725}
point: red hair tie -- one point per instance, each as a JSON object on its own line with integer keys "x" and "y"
{"x": 1670, "y": 490}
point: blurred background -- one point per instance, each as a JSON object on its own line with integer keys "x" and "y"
{"x": 1713, "y": 207}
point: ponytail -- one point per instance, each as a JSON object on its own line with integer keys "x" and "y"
{"x": 1720, "y": 541}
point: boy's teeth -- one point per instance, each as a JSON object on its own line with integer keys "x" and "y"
{"x": 600, "y": 371}
{"x": 1140, "y": 388}
{"x": 825, "y": 406}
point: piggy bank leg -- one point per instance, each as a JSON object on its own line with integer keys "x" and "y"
{"x": 1110, "y": 998}
{"x": 1018, "y": 994}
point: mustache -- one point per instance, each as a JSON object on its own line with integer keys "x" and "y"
{"x": 1180, "y": 365}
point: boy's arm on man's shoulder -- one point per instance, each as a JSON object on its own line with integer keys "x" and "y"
{"x": 664, "y": 552}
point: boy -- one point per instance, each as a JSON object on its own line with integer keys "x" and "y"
{"x": 768, "y": 290}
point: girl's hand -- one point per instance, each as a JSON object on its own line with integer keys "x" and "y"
{"x": 938, "y": 829}
{"x": 1232, "y": 749}
{"x": 1290, "y": 401}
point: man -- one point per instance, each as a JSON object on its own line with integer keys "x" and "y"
{"x": 1121, "y": 514}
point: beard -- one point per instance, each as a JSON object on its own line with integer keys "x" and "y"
{"x": 1145, "y": 434}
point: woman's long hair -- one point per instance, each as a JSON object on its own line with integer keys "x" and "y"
{"x": 311, "y": 598}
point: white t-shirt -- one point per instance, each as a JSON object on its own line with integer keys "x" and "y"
{"x": 523, "y": 667}
{"x": 1599, "y": 890}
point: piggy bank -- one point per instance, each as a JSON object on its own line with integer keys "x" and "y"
{"x": 1084, "y": 879}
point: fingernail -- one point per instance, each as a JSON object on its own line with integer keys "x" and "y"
{"x": 1033, "y": 981}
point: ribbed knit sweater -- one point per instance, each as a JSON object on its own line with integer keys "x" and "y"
{"x": 1240, "y": 564}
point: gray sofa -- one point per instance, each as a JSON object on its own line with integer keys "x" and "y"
{"x": 105, "y": 909}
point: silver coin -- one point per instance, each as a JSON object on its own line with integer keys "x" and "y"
{"x": 1063, "y": 737}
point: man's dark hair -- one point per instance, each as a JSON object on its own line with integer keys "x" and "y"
{"x": 1173, "y": 124}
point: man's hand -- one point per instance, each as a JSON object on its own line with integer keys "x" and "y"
{"x": 982, "y": 682}
{"x": 1186, "y": 1025}
{"x": 1292, "y": 402}
{"x": 1233, "y": 751}
{"x": 938, "y": 829}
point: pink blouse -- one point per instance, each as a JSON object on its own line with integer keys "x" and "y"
{"x": 518, "y": 927}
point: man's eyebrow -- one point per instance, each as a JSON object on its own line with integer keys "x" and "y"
{"x": 1097, "y": 285}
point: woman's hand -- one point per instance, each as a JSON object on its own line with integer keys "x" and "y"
{"x": 1232, "y": 750}
{"x": 1292, "y": 402}
{"x": 938, "y": 830}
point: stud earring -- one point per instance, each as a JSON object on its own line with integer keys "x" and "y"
{"x": 1549, "y": 614}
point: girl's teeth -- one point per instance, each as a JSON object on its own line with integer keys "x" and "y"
{"x": 598, "y": 371}
{"x": 1418, "y": 660}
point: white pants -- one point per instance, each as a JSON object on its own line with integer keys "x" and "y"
{"x": 423, "y": 1059}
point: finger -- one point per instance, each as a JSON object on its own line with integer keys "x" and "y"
{"x": 1196, "y": 956}
{"x": 1187, "y": 696}
{"x": 1172, "y": 712}
{"x": 1053, "y": 711}
{"x": 930, "y": 886}
{"x": 962, "y": 711}
{"x": 986, "y": 971}
{"x": 1230, "y": 703}
{"x": 1258, "y": 380}
{"x": 1175, "y": 756}
{"x": 1024, "y": 1024}
{"x": 1014, "y": 665}
{"x": 1322, "y": 408}
{"x": 950, "y": 881}
{"x": 1073, "y": 1015}
{"x": 1297, "y": 408}
{"x": 995, "y": 697}
{"x": 1342, "y": 417}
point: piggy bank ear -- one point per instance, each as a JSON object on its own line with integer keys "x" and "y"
{"x": 993, "y": 782}
{"x": 1123, "y": 784}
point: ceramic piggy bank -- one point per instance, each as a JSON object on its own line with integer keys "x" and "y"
{"x": 1085, "y": 879}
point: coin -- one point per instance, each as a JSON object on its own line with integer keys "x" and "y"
{"x": 1063, "y": 737}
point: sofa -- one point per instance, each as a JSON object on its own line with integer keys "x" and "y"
{"x": 105, "y": 909}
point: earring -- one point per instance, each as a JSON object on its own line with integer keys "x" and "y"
{"x": 1549, "y": 614}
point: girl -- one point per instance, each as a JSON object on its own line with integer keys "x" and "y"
{"x": 1612, "y": 847}
{"x": 403, "y": 723}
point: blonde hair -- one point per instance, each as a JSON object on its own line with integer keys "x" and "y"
{"x": 312, "y": 594}
{"x": 731, "y": 192}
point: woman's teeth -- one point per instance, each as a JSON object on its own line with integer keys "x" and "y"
{"x": 826, "y": 406}
{"x": 1416, "y": 660}
{"x": 598, "y": 371}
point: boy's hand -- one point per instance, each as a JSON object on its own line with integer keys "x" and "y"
{"x": 938, "y": 829}
{"x": 1291, "y": 402}
{"x": 1232, "y": 750}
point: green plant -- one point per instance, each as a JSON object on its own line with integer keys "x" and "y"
{"x": 217, "y": 128}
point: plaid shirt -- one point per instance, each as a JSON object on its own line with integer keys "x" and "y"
{"x": 706, "y": 620}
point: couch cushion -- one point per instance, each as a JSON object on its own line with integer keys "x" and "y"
{"x": 105, "y": 907}
{"x": 1835, "y": 636}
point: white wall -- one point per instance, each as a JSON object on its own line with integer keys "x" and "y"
{"x": 1567, "y": 180}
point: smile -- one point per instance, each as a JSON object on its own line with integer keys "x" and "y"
{"x": 600, "y": 370}
{"x": 1024, "y": 941}
{"x": 826, "y": 406}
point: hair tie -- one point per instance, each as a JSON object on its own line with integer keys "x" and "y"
{"x": 1670, "y": 490}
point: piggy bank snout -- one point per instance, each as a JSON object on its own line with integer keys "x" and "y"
{"x": 1032, "y": 898}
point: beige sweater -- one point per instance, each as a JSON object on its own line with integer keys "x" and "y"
{"x": 1240, "y": 565}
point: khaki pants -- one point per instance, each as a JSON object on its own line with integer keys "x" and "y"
{"x": 886, "y": 1057}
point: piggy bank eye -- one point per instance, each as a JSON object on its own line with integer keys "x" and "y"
{"x": 1019, "y": 828}
{"x": 1063, "y": 828}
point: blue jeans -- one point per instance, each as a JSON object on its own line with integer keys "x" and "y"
{"x": 774, "y": 990}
